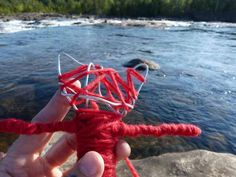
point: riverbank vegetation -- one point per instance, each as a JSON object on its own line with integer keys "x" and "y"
{"x": 224, "y": 10}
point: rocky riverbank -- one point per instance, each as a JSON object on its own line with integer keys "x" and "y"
{"x": 33, "y": 16}
{"x": 194, "y": 16}
{"x": 36, "y": 18}
{"x": 197, "y": 163}
{"x": 30, "y": 21}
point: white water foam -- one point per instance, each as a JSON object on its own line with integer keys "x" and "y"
{"x": 13, "y": 26}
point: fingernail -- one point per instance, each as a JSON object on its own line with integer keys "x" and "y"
{"x": 87, "y": 166}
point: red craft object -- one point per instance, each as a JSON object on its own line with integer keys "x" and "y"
{"x": 98, "y": 129}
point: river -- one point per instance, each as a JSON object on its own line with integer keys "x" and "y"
{"x": 196, "y": 83}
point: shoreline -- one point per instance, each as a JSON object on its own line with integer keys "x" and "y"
{"x": 32, "y": 16}
{"x": 37, "y": 16}
{"x": 30, "y": 21}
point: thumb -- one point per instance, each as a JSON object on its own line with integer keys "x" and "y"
{"x": 90, "y": 165}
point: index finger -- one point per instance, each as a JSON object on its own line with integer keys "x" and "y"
{"x": 55, "y": 110}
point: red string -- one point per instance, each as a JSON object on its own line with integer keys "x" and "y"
{"x": 131, "y": 167}
{"x": 17, "y": 126}
{"x": 118, "y": 90}
{"x": 99, "y": 130}
{"x": 157, "y": 131}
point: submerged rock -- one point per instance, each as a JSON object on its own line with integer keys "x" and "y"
{"x": 198, "y": 163}
{"x": 152, "y": 65}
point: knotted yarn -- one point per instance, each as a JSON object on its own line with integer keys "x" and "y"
{"x": 97, "y": 129}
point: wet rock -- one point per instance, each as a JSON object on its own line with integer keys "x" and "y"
{"x": 2, "y": 110}
{"x": 152, "y": 65}
{"x": 77, "y": 23}
{"x": 198, "y": 163}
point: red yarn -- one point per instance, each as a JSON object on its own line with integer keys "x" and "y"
{"x": 131, "y": 167}
{"x": 117, "y": 90}
{"x": 99, "y": 130}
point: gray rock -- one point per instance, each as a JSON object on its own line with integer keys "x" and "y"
{"x": 77, "y": 23}
{"x": 152, "y": 65}
{"x": 198, "y": 163}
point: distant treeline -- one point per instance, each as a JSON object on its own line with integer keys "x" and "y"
{"x": 224, "y": 10}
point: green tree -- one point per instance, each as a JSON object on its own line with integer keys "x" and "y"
{"x": 124, "y": 8}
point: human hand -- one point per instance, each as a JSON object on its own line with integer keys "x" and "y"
{"x": 24, "y": 159}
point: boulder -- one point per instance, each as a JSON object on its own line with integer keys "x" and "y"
{"x": 132, "y": 63}
{"x": 197, "y": 163}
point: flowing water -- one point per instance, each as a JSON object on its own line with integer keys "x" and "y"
{"x": 196, "y": 83}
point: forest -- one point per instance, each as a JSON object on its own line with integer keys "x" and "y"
{"x": 189, "y": 9}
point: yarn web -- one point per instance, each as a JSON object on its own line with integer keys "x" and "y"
{"x": 96, "y": 129}
{"x": 118, "y": 95}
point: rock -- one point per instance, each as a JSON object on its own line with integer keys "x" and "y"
{"x": 198, "y": 163}
{"x": 152, "y": 65}
{"x": 77, "y": 23}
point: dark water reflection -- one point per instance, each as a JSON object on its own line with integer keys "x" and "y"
{"x": 196, "y": 83}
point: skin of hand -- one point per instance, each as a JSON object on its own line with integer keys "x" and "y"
{"x": 24, "y": 159}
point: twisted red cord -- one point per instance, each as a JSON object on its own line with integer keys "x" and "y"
{"x": 131, "y": 167}
{"x": 98, "y": 130}
{"x": 157, "y": 131}
{"x": 17, "y": 126}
